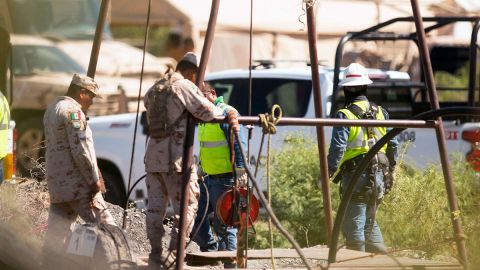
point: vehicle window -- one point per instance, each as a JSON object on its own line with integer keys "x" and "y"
{"x": 34, "y": 59}
{"x": 397, "y": 101}
{"x": 450, "y": 66}
{"x": 73, "y": 19}
{"x": 292, "y": 95}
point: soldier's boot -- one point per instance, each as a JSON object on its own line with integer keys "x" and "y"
{"x": 154, "y": 259}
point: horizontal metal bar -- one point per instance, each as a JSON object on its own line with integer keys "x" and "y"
{"x": 292, "y": 121}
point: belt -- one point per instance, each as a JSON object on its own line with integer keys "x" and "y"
{"x": 222, "y": 175}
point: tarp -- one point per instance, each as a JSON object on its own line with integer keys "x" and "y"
{"x": 279, "y": 26}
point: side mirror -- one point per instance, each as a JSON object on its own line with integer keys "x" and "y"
{"x": 144, "y": 123}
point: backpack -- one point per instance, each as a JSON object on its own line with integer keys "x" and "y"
{"x": 157, "y": 113}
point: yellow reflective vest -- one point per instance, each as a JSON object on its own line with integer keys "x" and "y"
{"x": 214, "y": 150}
{"x": 4, "y": 125}
{"x": 357, "y": 143}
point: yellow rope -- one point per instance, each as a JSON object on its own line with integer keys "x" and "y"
{"x": 269, "y": 122}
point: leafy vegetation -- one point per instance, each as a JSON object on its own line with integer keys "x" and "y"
{"x": 458, "y": 80}
{"x": 414, "y": 216}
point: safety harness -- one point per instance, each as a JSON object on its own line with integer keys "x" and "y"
{"x": 379, "y": 162}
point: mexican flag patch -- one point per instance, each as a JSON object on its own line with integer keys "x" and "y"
{"x": 75, "y": 116}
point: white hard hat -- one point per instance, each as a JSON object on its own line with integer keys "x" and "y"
{"x": 354, "y": 75}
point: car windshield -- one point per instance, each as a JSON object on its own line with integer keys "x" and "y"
{"x": 29, "y": 59}
{"x": 73, "y": 19}
{"x": 291, "y": 94}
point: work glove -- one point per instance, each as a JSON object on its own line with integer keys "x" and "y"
{"x": 242, "y": 177}
{"x": 389, "y": 180}
{"x": 233, "y": 121}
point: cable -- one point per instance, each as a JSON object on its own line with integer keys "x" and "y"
{"x": 193, "y": 235}
{"x": 138, "y": 110}
{"x": 270, "y": 211}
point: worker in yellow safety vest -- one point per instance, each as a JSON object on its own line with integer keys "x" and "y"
{"x": 348, "y": 146}
{"x": 216, "y": 164}
{"x": 4, "y": 127}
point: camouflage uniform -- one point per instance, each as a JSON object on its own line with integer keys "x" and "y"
{"x": 163, "y": 158}
{"x": 72, "y": 172}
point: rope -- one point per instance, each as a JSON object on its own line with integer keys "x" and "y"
{"x": 270, "y": 212}
{"x": 269, "y": 190}
{"x": 269, "y": 122}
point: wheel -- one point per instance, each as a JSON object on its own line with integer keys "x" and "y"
{"x": 116, "y": 193}
{"x": 31, "y": 148}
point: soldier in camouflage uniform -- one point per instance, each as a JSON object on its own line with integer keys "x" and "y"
{"x": 73, "y": 179}
{"x": 168, "y": 103}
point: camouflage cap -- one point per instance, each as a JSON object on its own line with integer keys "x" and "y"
{"x": 86, "y": 83}
{"x": 189, "y": 57}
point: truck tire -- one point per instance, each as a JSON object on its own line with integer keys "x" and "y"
{"x": 31, "y": 148}
{"x": 116, "y": 193}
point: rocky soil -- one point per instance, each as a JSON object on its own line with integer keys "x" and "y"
{"x": 24, "y": 212}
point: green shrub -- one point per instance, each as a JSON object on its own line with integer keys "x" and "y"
{"x": 415, "y": 215}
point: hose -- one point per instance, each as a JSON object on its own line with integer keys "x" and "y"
{"x": 269, "y": 210}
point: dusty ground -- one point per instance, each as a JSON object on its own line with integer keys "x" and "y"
{"x": 24, "y": 212}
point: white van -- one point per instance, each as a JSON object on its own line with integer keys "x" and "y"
{"x": 291, "y": 88}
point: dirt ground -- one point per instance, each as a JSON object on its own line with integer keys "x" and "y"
{"x": 24, "y": 213}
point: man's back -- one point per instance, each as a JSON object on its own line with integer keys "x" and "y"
{"x": 162, "y": 153}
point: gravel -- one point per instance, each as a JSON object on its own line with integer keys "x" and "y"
{"x": 28, "y": 201}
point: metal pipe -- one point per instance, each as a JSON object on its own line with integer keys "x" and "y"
{"x": 289, "y": 121}
{"x": 336, "y": 72}
{"x": 473, "y": 64}
{"x": 323, "y": 182}
{"x": 190, "y": 133}
{"x": 332, "y": 253}
{"x": 449, "y": 185}
{"x": 97, "y": 40}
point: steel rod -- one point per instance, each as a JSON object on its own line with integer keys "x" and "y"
{"x": 190, "y": 133}
{"x": 473, "y": 64}
{"x": 97, "y": 40}
{"x": 323, "y": 181}
{"x": 332, "y": 253}
{"x": 292, "y": 121}
{"x": 432, "y": 92}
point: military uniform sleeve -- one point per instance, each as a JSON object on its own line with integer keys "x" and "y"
{"x": 81, "y": 145}
{"x": 194, "y": 101}
{"x": 239, "y": 163}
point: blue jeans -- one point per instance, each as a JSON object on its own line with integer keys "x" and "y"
{"x": 227, "y": 236}
{"x": 359, "y": 229}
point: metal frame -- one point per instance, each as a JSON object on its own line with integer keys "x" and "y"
{"x": 367, "y": 34}
{"x": 374, "y": 34}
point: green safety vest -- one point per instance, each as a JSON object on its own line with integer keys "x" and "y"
{"x": 4, "y": 125}
{"x": 214, "y": 151}
{"x": 357, "y": 143}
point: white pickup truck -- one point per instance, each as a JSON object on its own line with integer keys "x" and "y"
{"x": 292, "y": 90}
